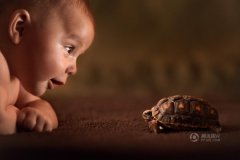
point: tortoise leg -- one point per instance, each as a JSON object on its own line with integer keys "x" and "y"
{"x": 154, "y": 126}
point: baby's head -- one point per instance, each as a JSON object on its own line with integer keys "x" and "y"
{"x": 42, "y": 39}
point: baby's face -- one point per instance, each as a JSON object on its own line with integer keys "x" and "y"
{"x": 51, "y": 49}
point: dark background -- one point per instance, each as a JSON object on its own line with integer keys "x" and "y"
{"x": 144, "y": 50}
{"x": 161, "y": 46}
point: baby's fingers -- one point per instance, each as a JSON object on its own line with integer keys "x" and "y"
{"x": 20, "y": 118}
{"x": 47, "y": 127}
{"x": 26, "y": 120}
{"x": 39, "y": 124}
{"x": 29, "y": 121}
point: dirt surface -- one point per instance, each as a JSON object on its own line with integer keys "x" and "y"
{"x": 112, "y": 128}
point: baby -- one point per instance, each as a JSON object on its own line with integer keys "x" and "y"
{"x": 40, "y": 41}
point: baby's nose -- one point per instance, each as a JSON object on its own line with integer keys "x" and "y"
{"x": 72, "y": 70}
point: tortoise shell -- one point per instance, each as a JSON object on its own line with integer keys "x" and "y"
{"x": 182, "y": 113}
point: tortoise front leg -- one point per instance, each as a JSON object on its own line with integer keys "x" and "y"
{"x": 154, "y": 126}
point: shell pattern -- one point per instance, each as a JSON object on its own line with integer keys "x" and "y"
{"x": 182, "y": 113}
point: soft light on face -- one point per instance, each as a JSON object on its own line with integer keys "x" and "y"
{"x": 51, "y": 49}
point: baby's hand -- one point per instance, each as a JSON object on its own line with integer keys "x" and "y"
{"x": 32, "y": 119}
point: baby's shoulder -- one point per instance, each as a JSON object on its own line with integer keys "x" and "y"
{"x": 4, "y": 71}
{"x": 9, "y": 86}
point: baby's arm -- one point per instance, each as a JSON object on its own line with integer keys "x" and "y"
{"x": 8, "y": 114}
{"x": 35, "y": 114}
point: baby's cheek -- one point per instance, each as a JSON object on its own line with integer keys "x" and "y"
{"x": 60, "y": 66}
{"x": 54, "y": 68}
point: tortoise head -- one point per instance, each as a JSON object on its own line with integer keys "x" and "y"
{"x": 147, "y": 115}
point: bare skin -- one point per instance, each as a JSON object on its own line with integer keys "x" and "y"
{"x": 39, "y": 53}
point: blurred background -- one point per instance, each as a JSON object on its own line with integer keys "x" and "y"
{"x": 151, "y": 47}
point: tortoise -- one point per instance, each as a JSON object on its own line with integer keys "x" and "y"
{"x": 182, "y": 112}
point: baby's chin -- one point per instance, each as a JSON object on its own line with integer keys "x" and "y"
{"x": 37, "y": 90}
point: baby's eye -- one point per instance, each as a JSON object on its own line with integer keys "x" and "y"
{"x": 69, "y": 48}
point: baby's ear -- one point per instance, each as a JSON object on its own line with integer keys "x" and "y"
{"x": 17, "y": 24}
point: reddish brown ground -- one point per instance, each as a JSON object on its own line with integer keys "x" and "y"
{"x": 112, "y": 127}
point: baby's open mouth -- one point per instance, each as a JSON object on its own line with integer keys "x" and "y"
{"x": 52, "y": 83}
